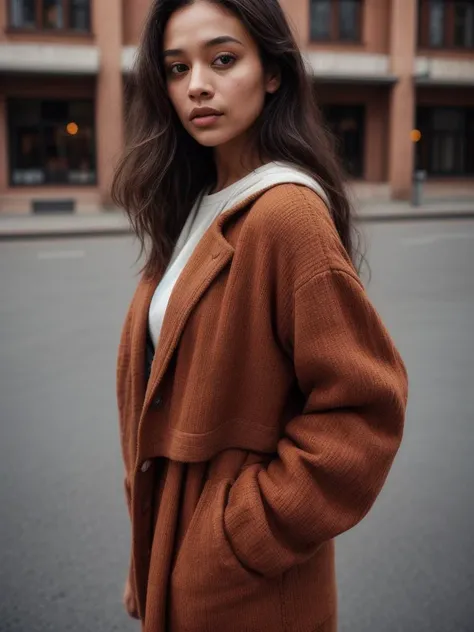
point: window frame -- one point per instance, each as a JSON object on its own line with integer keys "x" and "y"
{"x": 42, "y": 126}
{"x": 39, "y": 20}
{"x": 335, "y": 28}
{"x": 449, "y": 42}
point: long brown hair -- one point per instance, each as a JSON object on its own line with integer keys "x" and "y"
{"x": 163, "y": 169}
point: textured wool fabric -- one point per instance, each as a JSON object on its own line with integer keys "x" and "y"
{"x": 205, "y": 211}
{"x": 272, "y": 415}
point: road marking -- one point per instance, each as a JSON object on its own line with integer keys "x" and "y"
{"x": 62, "y": 254}
{"x": 432, "y": 239}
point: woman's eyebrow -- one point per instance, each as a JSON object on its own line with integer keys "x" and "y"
{"x": 222, "y": 39}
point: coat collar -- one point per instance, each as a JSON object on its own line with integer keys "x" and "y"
{"x": 212, "y": 254}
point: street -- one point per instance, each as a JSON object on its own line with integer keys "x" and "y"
{"x": 408, "y": 567}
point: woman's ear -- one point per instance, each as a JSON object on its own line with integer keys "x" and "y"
{"x": 273, "y": 80}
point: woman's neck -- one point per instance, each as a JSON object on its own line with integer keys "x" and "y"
{"x": 233, "y": 164}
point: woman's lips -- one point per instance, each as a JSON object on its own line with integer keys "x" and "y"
{"x": 206, "y": 121}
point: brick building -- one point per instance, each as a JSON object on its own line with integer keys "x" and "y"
{"x": 382, "y": 68}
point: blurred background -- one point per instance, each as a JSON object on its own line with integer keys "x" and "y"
{"x": 395, "y": 81}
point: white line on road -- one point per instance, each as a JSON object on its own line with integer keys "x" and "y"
{"x": 432, "y": 239}
{"x": 62, "y": 254}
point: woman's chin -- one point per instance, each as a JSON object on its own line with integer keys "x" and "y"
{"x": 211, "y": 138}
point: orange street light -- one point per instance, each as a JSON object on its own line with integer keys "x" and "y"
{"x": 72, "y": 128}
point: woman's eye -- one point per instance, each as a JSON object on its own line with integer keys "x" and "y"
{"x": 178, "y": 69}
{"x": 225, "y": 59}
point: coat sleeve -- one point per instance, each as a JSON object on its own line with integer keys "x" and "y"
{"x": 333, "y": 458}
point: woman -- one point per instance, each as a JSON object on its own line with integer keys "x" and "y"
{"x": 261, "y": 399}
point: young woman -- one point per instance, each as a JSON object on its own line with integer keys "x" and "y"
{"x": 261, "y": 399}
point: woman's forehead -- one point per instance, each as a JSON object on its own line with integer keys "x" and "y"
{"x": 200, "y": 23}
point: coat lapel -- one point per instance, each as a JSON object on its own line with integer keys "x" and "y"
{"x": 211, "y": 256}
{"x": 138, "y": 328}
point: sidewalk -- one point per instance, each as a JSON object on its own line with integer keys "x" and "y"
{"x": 59, "y": 225}
{"x": 115, "y": 222}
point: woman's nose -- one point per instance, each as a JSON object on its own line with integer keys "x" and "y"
{"x": 199, "y": 84}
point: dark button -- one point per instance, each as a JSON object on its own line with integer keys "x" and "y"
{"x": 157, "y": 402}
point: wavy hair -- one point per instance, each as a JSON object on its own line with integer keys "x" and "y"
{"x": 163, "y": 169}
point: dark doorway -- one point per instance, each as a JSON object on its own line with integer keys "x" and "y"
{"x": 347, "y": 123}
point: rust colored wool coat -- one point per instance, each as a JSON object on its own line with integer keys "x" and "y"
{"x": 272, "y": 415}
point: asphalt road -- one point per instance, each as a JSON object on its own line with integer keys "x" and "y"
{"x": 64, "y": 533}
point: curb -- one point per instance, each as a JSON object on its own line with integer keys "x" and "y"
{"x": 63, "y": 233}
{"x": 415, "y": 217}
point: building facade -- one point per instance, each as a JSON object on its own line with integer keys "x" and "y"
{"x": 387, "y": 73}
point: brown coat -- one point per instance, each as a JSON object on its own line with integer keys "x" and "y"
{"x": 270, "y": 421}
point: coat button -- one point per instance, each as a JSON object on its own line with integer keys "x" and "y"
{"x": 145, "y": 466}
{"x": 157, "y": 402}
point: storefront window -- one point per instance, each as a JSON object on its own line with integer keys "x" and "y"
{"x": 50, "y": 15}
{"x": 51, "y": 142}
{"x": 447, "y": 141}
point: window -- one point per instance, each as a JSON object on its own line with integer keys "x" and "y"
{"x": 347, "y": 125}
{"x": 446, "y": 23}
{"x": 23, "y": 14}
{"x": 50, "y": 15}
{"x": 321, "y": 19}
{"x": 446, "y": 147}
{"x": 51, "y": 142}
{"x": 336, "y": 20}
{"x": 436, "y": 28}
{"x": 53, "y": 17}
{"x": 464, "y": 25}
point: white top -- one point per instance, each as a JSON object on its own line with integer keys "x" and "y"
{"x": 203, "y": 214}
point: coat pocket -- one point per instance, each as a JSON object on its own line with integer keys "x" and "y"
{"x": 223, "y": 548}
{"x": 210, "y": 590}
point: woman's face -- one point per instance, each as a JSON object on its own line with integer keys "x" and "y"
{"x": 216, "y": 81}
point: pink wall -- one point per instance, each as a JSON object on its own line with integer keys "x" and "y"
{"x": 3, "y": 19}
{"x": 134, "y": 15}
{"x": 109, "y": 93}
{"x": 402, "y": 103}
